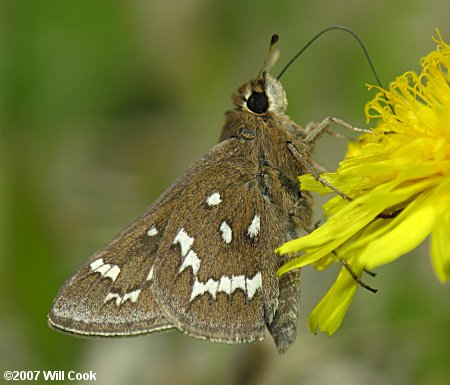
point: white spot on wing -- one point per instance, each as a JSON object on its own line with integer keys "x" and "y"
{"x": 191, "y": 260}
{"x": 253, "y": 229}
{"x": 112, "y": 273}
{"x": 227, "y": 234}
{"x": 132, "y": 296}
{"x": 103, "y": 269}
{"x": 106, "y": 270}
{"x": 228, "y": 285}
{"x": 150, "y": 274}
{"x": 237, "y": 282}
{"x": 197, "y": 289}
{"x": 96, "y": 264}
{"x": 115, "y": 296}
{"x": 152, "y": 231}
{"x": 253, "y": 284}
{"x": 200, "y": 288}
{"x": 184, "y": 240}
{"x": 225, "y": 284}
{"x": 214, "y": 199}
{"x": 212, "y": 286}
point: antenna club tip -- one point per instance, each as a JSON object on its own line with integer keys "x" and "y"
{"x": 274, "y": 39}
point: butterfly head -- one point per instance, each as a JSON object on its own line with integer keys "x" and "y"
{"x": 263, "y": 96}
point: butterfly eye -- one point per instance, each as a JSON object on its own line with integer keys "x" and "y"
{"x": 258, "y": 103}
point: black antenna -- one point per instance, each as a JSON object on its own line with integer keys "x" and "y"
{"x": 343, "y": 28}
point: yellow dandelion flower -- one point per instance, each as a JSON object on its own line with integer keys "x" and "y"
{"x": 398, "y": 177}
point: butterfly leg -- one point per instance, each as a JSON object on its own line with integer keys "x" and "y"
{"x": 355, "y": 276}
{"x": 314, "y": 130}
{"x": 307, "y": 165}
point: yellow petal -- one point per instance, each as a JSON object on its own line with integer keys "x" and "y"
{"x": 360, "y": 240}
{"x": 325, "y": 262}
{"x": 308, "y": 258}
{"x": 379, "y": 227}
{"x": 309, "y": 183}
{"x": 328, "y": 315}
{"x": 440, "y": 247}
{"x": 401, "y": 239}
{"x": 344, "y": 184}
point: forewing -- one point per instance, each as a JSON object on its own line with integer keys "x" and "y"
{"x": 215, "y": 269}
{"x": 112, "y": 293}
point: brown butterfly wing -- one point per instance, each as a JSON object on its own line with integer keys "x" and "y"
{"x": 199, "y": 259}
{"x": 113, "y": 292}
{"x": 215, "y": 269}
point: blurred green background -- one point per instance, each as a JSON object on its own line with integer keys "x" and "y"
{"x": 104, "y": 103}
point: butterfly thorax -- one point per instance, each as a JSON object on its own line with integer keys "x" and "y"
{"x": 263, "y": 131}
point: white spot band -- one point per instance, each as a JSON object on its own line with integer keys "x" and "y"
{"x": 228, "y": 285}
{"x": 225, "y": 284}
